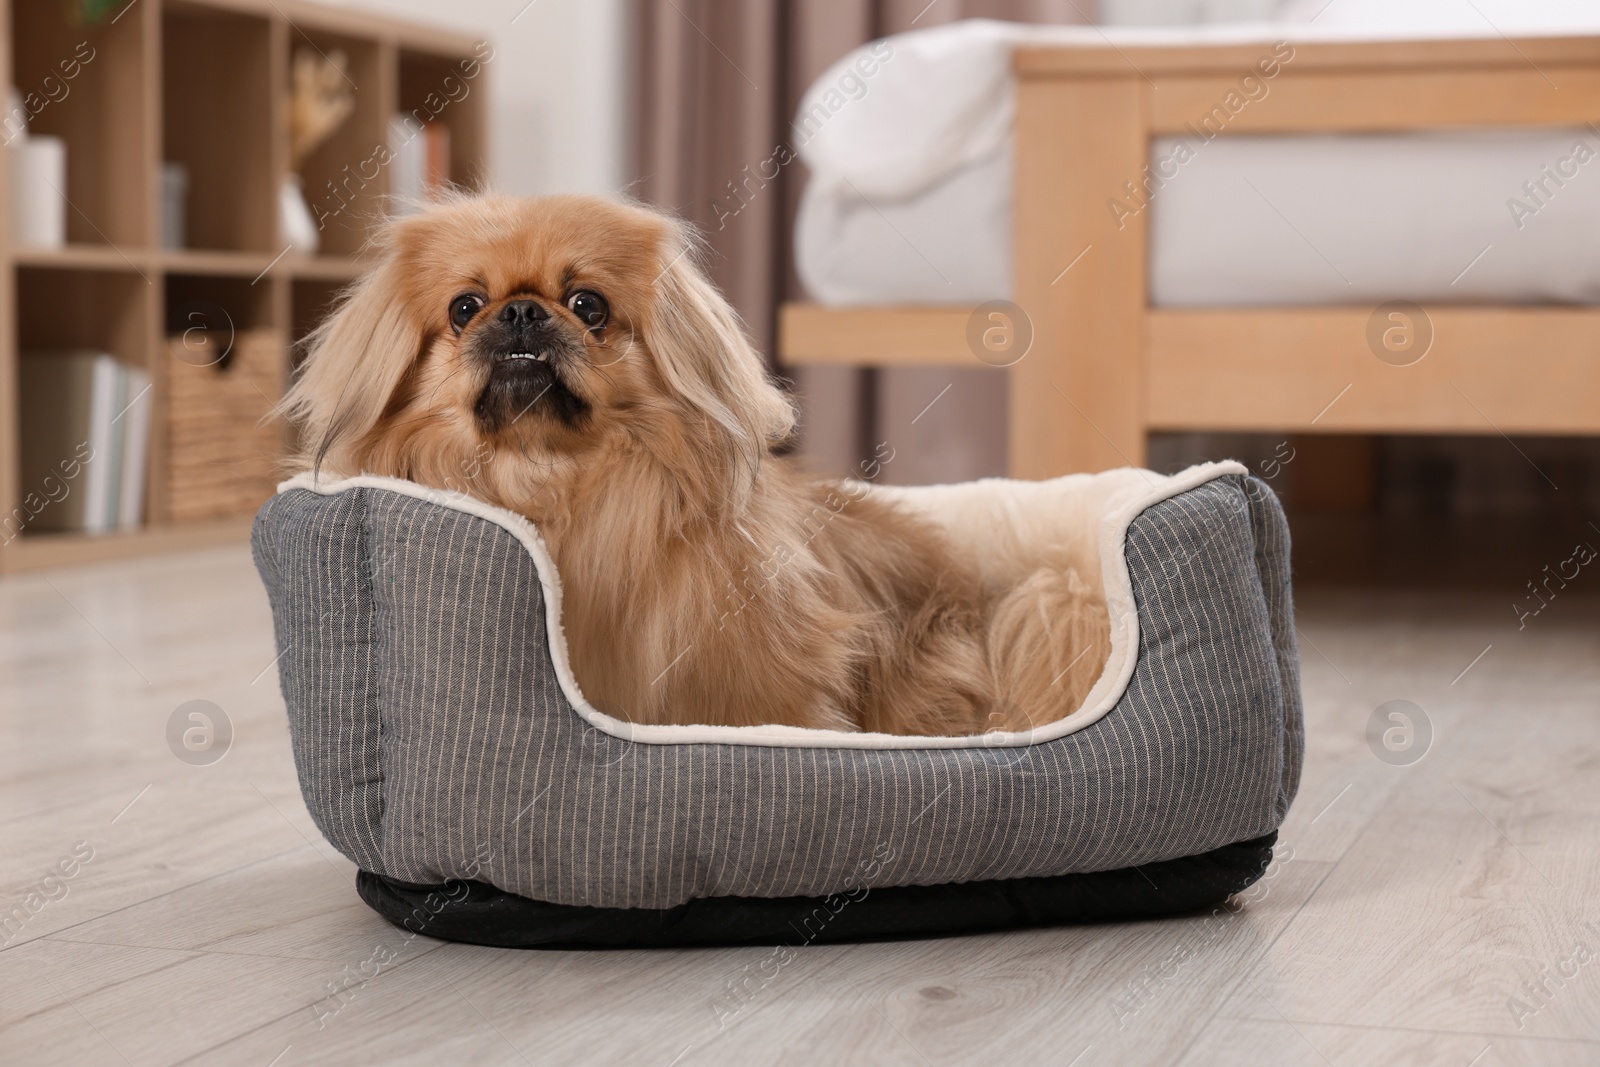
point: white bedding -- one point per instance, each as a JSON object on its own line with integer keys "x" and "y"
{"x": 950, "y": 243}
{"x": 1423, "y": 217}
{"x": 910, "y": 195}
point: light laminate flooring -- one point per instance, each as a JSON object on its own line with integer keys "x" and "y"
{"x": 1434, "y": 913}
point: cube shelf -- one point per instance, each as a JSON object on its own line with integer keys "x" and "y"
{"x": 222, "y": 139}
{"x": 203, "y": 84}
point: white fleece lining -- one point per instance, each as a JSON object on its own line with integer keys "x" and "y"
{"x": 1101, "y": 699}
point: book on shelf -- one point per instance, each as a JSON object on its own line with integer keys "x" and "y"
{"x": 419, "y": 162}
{"x": 135, "y": 434}
{"x": 85, "y": 422}
{"x": 436, "y": 172}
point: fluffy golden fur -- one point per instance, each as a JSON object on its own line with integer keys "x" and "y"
{"x": 564, "y": 358}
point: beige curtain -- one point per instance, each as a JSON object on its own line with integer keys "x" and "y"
{"x": 717, "y": 84}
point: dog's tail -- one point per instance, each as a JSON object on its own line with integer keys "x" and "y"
{"x": 1048, "y": 642}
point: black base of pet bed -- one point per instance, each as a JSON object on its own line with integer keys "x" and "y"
{"x": 480, "y": 914}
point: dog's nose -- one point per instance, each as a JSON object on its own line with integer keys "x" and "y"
{"x": 523, "y": 313}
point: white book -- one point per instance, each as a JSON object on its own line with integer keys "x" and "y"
{"x": 54, "y": 400}
{"x": 408, "y": 164}
{"x": 101, "y": 473}
{"x": 135, "y": 426}
{"x": 118, "y": 427}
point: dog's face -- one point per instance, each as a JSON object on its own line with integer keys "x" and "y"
{"x": 547, "y": 334}
{"x": 533, "y": 322}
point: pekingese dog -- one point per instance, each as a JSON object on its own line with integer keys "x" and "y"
{"x": 564, "y": 358}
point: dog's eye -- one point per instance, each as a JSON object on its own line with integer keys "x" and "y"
{"x": 590, "y": 307}
{"x": 462, "y": 308}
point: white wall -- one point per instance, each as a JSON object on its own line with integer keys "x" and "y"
{"x": 559, "y": 87}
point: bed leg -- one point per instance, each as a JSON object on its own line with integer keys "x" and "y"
{"x": 1077, "y": 401}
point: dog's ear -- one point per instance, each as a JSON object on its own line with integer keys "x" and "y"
{"x": 708, "y": 362}
{"x": 355, "y": 360}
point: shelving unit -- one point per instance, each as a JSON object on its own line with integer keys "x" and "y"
{"x": 204, "y": 83}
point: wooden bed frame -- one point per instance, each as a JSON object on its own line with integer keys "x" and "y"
{"x": 1106, "y": 368}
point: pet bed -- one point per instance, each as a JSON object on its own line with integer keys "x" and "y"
{"x": 444, "y": 746}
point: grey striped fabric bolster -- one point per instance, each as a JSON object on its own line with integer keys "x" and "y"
{"x": 434, "y": 742}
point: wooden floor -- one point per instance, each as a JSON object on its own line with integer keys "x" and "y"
{"x": 1414, "y": 916}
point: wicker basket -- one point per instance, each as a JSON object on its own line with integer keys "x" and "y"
{"x": 221, "y": 451}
